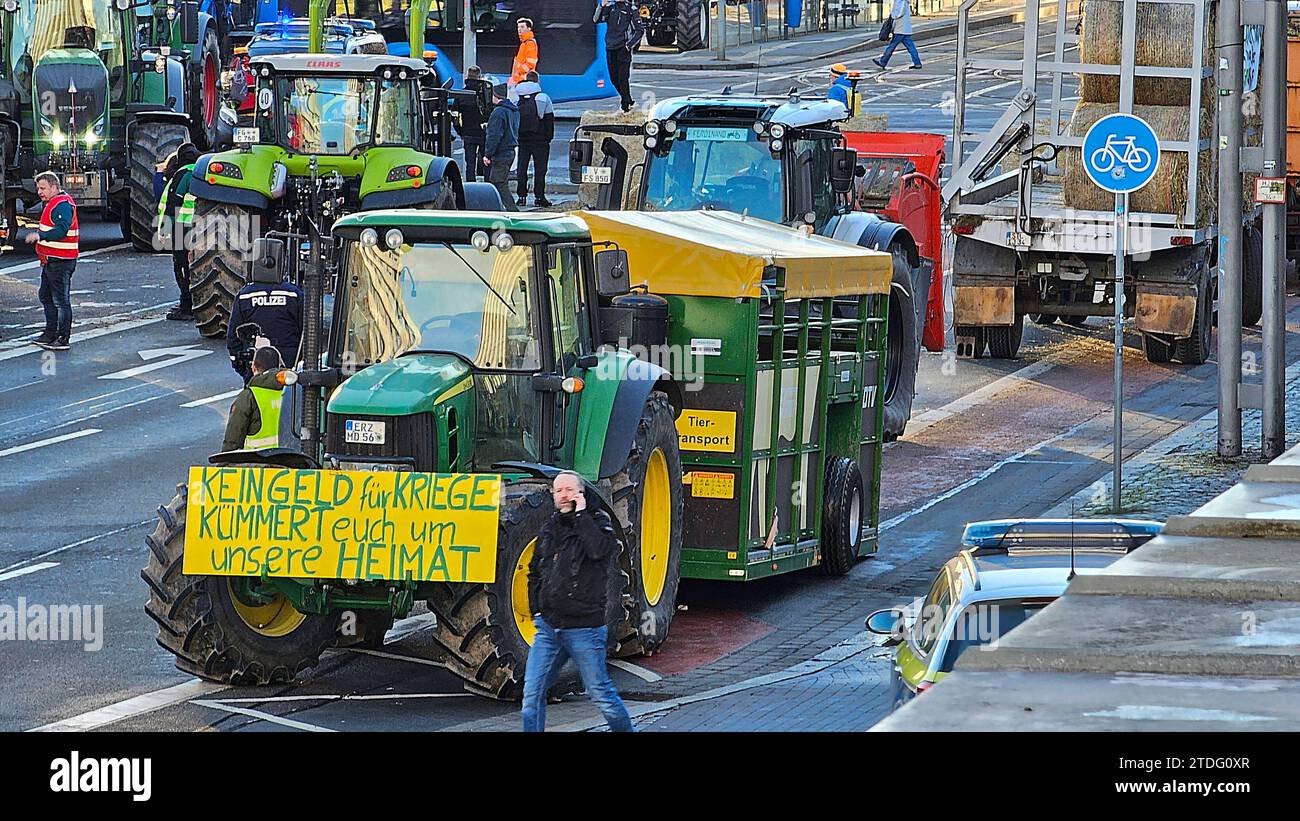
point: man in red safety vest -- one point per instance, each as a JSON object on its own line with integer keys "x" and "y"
{"x": 56, "y": 247}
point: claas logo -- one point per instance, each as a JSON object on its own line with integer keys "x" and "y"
{"x": 324, "y": 64}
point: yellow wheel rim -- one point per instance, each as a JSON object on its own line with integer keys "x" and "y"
{"x": 656, "y": 527}
{"x": 519, "y": 594}
{"x": 275, "y": 618}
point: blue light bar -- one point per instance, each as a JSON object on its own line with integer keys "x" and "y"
{"x": 1011, "y": 534}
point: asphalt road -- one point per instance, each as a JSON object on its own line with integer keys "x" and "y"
{"x": 90, "y": 445}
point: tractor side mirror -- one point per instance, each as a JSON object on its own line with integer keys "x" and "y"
{"x": 844, "y": 163}
{"x": 190, "y": 22}
{"x": 268, "y": 255}
{"x": 581, "y": 152}
{"x": 612, "y": 272}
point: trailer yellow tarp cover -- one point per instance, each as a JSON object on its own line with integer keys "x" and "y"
{"x": 716, "y": 253}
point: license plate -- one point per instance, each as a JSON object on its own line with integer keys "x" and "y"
{"x": 599, "y": 174}
{"x": 78, "y": 180}
{"x": 364, "y": 433}
{"x": 246, "y": 136}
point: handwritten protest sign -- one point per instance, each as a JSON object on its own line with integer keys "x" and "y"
{"x": 328, "y": 524}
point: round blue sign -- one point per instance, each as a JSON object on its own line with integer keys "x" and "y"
{"x": 1121, "y": 153}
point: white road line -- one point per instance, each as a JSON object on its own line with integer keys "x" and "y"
{"x": 210, "y": 399}
{"x": 13, "y": 574}
{"x": 87, "y": 540}
{"x": 636, "y": 670}
{"x": 53, "y": 440}
{"x": 381, "y": 654}
{"x": 978, "y": 396}
{"x": 144, "y": 401}
{"x": 36, "y": 263}
{"x": 348, "y": 697}
{"x": 131, "y": 707}
{"x": 25, "y": 347}
{"x": 258, "y": 714}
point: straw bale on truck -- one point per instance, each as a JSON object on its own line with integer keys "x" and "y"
{"x": 1164, "y": 38}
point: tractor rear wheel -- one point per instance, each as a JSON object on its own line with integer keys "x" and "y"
{"x": 206, "y": 94}
{"x": 647, "y": 498}
{"x": 150, "y": 143}
{"x": 221, "y": 237}
{"x": 692, "y": 24}
{"x": 214, "y": 627}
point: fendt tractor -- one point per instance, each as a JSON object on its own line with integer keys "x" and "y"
{"x": 98, "y": 92}
{"x": 332, "y": 134}
{"x": 471, "y": 356}
{"x": 683, "y": 23}
{"x": 786, "y": 159}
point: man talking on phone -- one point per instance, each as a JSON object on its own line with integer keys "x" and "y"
{"x": 568, "y": 583}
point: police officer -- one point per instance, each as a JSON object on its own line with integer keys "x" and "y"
{"x": 275, "y": 306}
{"x": 254, "y": 421}
{"x": 175, "y": 214}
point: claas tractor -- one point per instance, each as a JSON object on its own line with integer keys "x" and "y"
{"x": 692, "y": 368}
{"x": 98, "y": 91}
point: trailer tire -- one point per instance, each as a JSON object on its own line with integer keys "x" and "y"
{"x": 1157, "y": 350}
{"x": 1252, "y": 276}
{"x": 903, "y": 346}
{"x": 205, "y": 625}
{"x": 650, "y": 483}
{"x": 1004, "y": 340}
{"x": 216, "y": 264}
{"x": 975, "y": 332}
{"x": 842, "y": 510}
{"x": 1043, "y": 319}
{"x": 692, "y": 24}
{"x": 1195, "y": 349}
{"x": 150, "y": 142}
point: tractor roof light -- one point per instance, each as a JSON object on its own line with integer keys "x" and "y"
{"x": 171, "y": 12}
{"x": 651, "y": 142}
{"x": 652, "y": 128}
{"x": 123, "y": 5}
{"x": 480, "y": 241}
{"x": 265, "y": 72}
{"x": 670, "y": 126}
{"x": 777, "y": 131}
{"x": 160, "y": 64}
{"x": 11, "y": 6}
{"x": 503, "y": 241}
{"x": 777, "y": 145}
{"x": 388, "y": 74}
{"x": 369, "y": 238}
{"x": 393, "y": 239}
{"x": 759, "y": 126}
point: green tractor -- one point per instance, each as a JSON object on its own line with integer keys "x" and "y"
{"x": 470, "y": 356}
{"x": 99, "y": 92}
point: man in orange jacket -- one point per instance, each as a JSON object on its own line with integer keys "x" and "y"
{"x": 526, "y": 57}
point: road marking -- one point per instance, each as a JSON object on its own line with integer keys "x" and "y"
{"x": 636, "y": 670}
{"x": 210, "y": 399}
{"x": 381, "y": 654}
{"x": 112, "y": 410}
{"x": 13, "y": 574}
{"x": 25, "y": 347}
{"x": 977, "y": 397}
{"x": 36, "y": 263}
{"x": 258, "y": 714}
{"x": 131, "y": 707}
{"x": 346, "y": 697}
{"x": 87, "y": 540}
{"x": 177, "y": 354}
{"x": 53, "y": 440}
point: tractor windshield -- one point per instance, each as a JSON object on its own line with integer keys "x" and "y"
{"x": 41, "y": 25}
{"x": 338, "y": 114}
{"x": 723, "y": 168}
{"x": 441, "y": 298}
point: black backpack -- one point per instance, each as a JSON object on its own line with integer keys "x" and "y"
{"x": 530, "y": 124}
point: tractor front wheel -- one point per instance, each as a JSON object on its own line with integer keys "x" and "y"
{"x": 221, "y": 237}
{"x": 150, "y": 143}
{"x": 222, "y": 628}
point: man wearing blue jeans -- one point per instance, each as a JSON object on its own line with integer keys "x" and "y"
{"x": 568, "y": 582}
{"x": 902, "y": 17}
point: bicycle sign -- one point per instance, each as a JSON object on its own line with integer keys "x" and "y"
{"x": 1121, "y": 153}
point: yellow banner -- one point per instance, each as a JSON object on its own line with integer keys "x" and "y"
{"x": 329, "y": 524}
{"x": 707, "y": 430}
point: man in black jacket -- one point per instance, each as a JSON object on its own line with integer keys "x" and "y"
{"x": 499, "y": 143}
{"x": 623, "y": 32}
{"x": 469, "y": 125}
{"x": 568, "y": 583}
{"x": 536, "y": 131}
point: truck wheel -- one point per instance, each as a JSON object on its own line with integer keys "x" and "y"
{"x": 1195, "y": 349}
{"x": 842, "y": 512}
{"x": 902, "y": 348}
{"x": 485, "y": 630}
{"x": 1043, "y": 319}
{"x": 1252, "y": 276}
{"x": 1004, "y": 341}
{"x": 212, "y": 626}
{"x": 692, "y": 24}
{"x": 647, "y": 498}
{"x": 206, "y": 94}
{"x": 1157, "y": 350}
{"x": 217, "y": 262}
{"x": 970, "y": 341}
{"x": 151, "y": 142}
{"x": 1075, "y": 321}
{"x": 659, "y": 37}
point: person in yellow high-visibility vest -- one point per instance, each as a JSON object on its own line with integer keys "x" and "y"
{"x": 254, "y": 422}
{"x": 175, "y": 214}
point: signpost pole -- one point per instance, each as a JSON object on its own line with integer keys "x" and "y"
{"x": 469, "y": 41}
{"x": 1229, "y": 51}
{"x": 1272, "y": 87}
{"x": 1117, "y": 448}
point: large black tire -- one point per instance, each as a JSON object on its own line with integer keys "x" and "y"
{"x": 217, "y": 266}
{"x": 647, "y": 499}
{"x": 205, "y": 91}
{"x": 692, "y": 24}
{"x": 1004, "y": 340}
{"x": 1195, "y": 349}
{"x": 1043, "y": 319}
{"x": 481, "y": 627}
{"x": 151, "y": 142}
{"x": 1157, "y": 350}
{"x": 903, "y": 346}
{"x": 843, "y": 506}
{"x": 1075, "y": 321}
{"x": 1252, "y": 276}
{"x": 200, "y": 624}
{"x": 483, "y": 196}
{"x": 659, "y": 37}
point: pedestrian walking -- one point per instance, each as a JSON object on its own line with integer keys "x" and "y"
{"x": 901, "y": 15}
{"x": 500, "y": 140}
{"x": 254, "y": 421}
{"x": 469, "y": 126}
{"x": 175, "y": 214}
{"x": 527, "y": 56}
{"x": 275, "y": 307}
{"x": 568, "y": 583}
{"x": 536, "y": 132}
{"x": 57, "y": 244}
{"x": 623, "y": 32}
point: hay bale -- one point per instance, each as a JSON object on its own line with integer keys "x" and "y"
{"x": 1167, "y": 191}
{"x": 587, "y": 192}
{"x": 1164, "y": 38}
{"x": 866, "y": 122}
